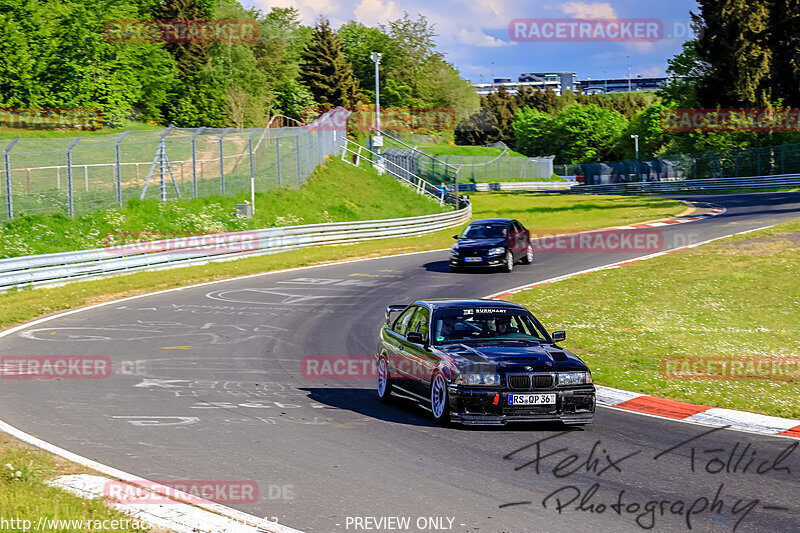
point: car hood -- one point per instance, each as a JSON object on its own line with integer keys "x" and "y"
{"x": 513, "y": 357}
{"x": 466, "y": 244}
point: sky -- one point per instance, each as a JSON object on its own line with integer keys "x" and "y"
{"x": 474, "y": 35}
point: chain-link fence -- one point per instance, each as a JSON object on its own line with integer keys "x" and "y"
{"x": 80, "y": 174}
{"x": 471, "y": 169}
{"x": 762, "y": 161}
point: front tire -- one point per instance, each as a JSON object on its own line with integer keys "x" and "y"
{"x": 509, "y": 264}
{"x": 440, "y": 403}
{"x": 384, "y": 382}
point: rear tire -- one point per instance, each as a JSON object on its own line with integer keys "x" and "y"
{"x": 384, "y": 382}
{"x": 528, "y": 259}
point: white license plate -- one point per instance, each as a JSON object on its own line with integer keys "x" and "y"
{"x": 473, "y": 259}
{"x": 531, "y": 399}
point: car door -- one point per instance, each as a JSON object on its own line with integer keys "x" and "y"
{"x": 522, "y": 238}
{"x": 416, "y": 363}
{"x": 396, "y": 345}
{"x": 513, "y": 239}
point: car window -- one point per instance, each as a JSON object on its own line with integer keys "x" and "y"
{"x": 486, "y": 323}
{"x": 517, "y": 226}
{"x": 419, "y": 322}
{"x": 401, "y": 324}
{"x": 485, "y": 231}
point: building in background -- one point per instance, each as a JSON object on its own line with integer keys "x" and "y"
{"x": 562, "y": 82}
{"x": 567, "y": 80}
{"x": 620, "y": 85}
{"x": 512, "y": 87}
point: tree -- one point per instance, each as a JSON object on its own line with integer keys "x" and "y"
{"x": 475, "y": 129}
{"x": 503, "y": 105}
{"x": 536, "y": 99}
{"x": 358, "y": 43}
{"x": 326, "y": 71}
{"x": 587, "y": 133}
{"x": 647, "y": 124}
{"x": 785, "y": 45}
{"x": 533, "y": 129}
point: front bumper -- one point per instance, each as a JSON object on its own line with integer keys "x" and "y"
{"x": 476, "y": 406}
{"x": 485, "y": 262}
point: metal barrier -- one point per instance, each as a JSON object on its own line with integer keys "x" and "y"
{"x": 516, "y": 186}
{"x": 709, "y": 184}
{"x": 56, "y": 269}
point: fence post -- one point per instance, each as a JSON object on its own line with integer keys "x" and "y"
{"x": 297, "y": 148}
{"x": 7, "y": 159}
{"x": 455, "y": 179}
{"x": 252, "y": 172}
{"x": 119, "y": 167}
{"x": 222, "y": 162}
{"x": 194, "y": 161}
{"x": 278, "y": 153}
{"x": 70, "y": 196}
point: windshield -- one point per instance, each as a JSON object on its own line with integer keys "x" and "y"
{"x": 486, "y": 323}
{"x": 485, "y": 231}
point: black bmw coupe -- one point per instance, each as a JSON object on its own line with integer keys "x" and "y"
{"x": 481, "y": 362}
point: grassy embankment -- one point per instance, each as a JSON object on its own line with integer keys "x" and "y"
{"x": 337, "y": 193}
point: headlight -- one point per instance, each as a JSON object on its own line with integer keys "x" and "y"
{"x": 454, "y": 249}
{"x": 574, "y": 378}
{"x": 479, "y": 379}
{"x": 500, "y": 250}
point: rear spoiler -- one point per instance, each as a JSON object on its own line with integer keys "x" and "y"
{"x": 393, "y": 309}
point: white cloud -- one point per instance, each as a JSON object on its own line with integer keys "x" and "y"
{"x": 585, "y": 10}
{"x": 310, "y": 10}
{"x": 476, "y": 37}
{"x": 652, "y": 72}
{"x": 374, "y": 12}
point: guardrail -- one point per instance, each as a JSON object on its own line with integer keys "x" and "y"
{"x": 516, "y": 186}
{"x": 754, "y": 182}
{"x": 58, "y": 268}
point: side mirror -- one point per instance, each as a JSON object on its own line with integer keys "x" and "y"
{"x": 455, "y": 237}
{"x": 416, "y": 337}
{"x": 559, "y": 336}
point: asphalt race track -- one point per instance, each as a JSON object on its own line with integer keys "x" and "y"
{"x": 207, "y": 385}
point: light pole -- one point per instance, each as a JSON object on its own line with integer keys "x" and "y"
{"x": 636, "y": 149}
{"x": 377, "y": 142}
{"x": 629, "y": 73}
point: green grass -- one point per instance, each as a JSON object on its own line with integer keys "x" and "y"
{"x": 24, "y": 494}
{"x": 731, "y": 298}
{"x": 452, "y": 149}
{"x": 337, "y": 192}
{"x": 561, "y": 213}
